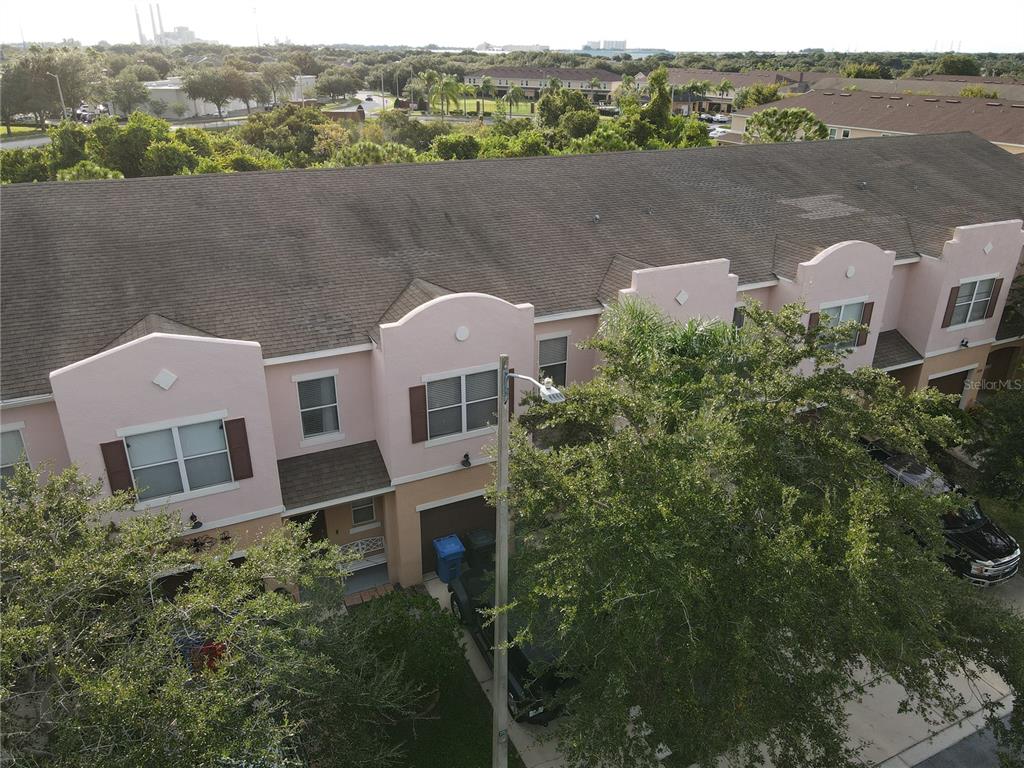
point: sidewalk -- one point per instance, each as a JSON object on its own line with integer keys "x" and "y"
{"x": 890, "y": 739}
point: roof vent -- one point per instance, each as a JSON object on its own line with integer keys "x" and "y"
{"x": 844, "y": 94}
{"x": 597, "y": 218}
{"x": 932, "y": 100}
{"x": 993, "y": 104}
{"x": 828, "y": 93}
{"x": 1017, "y": 106}
{"x": 895, "y": 98}
{"x": 952, "y": 101}
{"x": 874, "y": 97}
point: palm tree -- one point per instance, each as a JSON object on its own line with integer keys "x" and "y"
{"x": 554, "y": 84}
{"x": 595, "y": 83}
{"x": 446, "y": 91}
{"x": 514, "y": 97}
{"x": 485, "y": 89}
{"x": 426, "y": 80}
{"x": 724, "y": 87}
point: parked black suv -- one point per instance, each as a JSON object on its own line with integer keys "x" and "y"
{"x": 982, "y": 552}
{"x": 532, "y": 679}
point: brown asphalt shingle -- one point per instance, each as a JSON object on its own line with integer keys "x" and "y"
{"x": 892, "y": 349}
{"x": 992, "y": 119}
{"x": 310, "y": 260}
{"x": 333, "y": 474}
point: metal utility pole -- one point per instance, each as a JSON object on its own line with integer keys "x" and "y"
{"x": 60, "y": 92}
{"x": 499, "y": 735}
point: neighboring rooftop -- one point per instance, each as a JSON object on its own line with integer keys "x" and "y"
{"x": 309, "y": 260}
{"x": 1006, "y": 89}
{"x": 546, "y": 73}
{"x": 991, "y": 119}
{"x": 894, "y": 351}
{"x": 678, "y": 77}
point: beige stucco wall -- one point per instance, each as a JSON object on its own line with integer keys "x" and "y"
{"x": 402, "y": 521}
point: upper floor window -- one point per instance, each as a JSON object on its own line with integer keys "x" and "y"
{"x": 462, "y": 403}
{"x": 318, "y": 406}
{"x": 845, "y": 313}
{"x": 178, "y": 459}
{"x": 12, "y": 450}
{"x": 972, "y": 300}
{"x": 554, "y": 358}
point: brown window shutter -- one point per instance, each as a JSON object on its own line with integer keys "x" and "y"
{"x": 119, "y": 474}
{"x": 862, "y": 337}
{"x": 418, "y": 412}
{"x": 238, "y": 448}
{"x": 812, "y": 320}
{"x": 511, "y": 394}
{"x": 947, "y": 318}
{"x": 994, "y": 298}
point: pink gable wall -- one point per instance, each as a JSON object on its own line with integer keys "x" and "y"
{"x": 354, "y": 381}
{"x": 842, "y": 273}
{"x": 710, "y": 290}
{"x": 963, "y": 257}
{"x": 423, "y": 343}
{"x": 115, "y": 390}
{"x": 42, "y": 433}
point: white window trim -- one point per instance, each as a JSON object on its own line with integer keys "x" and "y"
{"x": 565, "y": 362}
{"x": 19, "y": 427}
{"x": 843, "y": 303}
{"x": 315, "y": 375}
{"x": 372, "y": 505}
{"x": 553, "y": 335}
{"x": 184, "y": 421}
{"x": 952, "y": 328}
{"x": 464, "y": 434}
{"x": 323, "y": 437}
{"x": 961, "y": 369}
{"x": 187, "y": 492}
{"x": 365, "y": 527}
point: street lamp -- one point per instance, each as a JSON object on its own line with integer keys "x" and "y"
{"x": 550, "y": 394}
{"x": 63, "y": 108}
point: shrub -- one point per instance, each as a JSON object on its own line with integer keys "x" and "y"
{"x": 86, "y": 171}
{"x": 456, "y": 146}
{"x": 18, "y": 166}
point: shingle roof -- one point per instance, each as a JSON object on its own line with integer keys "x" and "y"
{"x": 337, "y": 473}
{"x": 894, "y": 350}
{"x": 992, "y": 119}
{"x": 310, "y": 260}
{"x": 680, "y": 76}
{"x": 546, "y": 73}
{"x": 153, "y": 323}
{"x": 947, "y": 89}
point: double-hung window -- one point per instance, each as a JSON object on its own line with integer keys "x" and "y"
{"x": 462, "y": 403}
{"x": 554, "y": 357}
{"x": 12, "y": 450}
{"x": 178, "y": 459}
{"x": 972, "y": 301}
{"x": 845, "y": 313}
{"x": 318, "y": 407}
{"x": 363, "y": 513}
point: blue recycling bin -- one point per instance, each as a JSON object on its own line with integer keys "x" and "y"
{"x": 449, "y": 550}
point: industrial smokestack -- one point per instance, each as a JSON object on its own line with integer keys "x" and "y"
{"x": 152, "y": 20}
{"x": 138, "y": 23}
{"x": 160, "y": 22}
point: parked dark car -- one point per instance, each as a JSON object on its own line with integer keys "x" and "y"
{"x": 982, "y": 552}
{"x": 532, "y": 679}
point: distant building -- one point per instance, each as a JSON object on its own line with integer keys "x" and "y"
{"x": 605, "y": 45}
{"x": 167, "y": 99}
{"x": 861, "y": 114}
{"x": 598, "y": 84}
{"x": 719, "y": 100}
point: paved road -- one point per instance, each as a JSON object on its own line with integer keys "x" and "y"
{"x": 35, "y": 141}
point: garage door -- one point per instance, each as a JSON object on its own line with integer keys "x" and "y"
{"x": 457, "y": 518}
{"x": 950, "y": 385}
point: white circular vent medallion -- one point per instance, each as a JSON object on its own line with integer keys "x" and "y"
{"x": 462, "y": 333}
{"x": 850, "y": 271}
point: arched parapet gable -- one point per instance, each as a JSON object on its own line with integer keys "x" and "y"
{"x": 703, "y": 289}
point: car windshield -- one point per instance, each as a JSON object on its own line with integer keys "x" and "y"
{"x": 967, "y": 515}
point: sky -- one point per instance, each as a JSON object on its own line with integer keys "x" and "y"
{"x": 701, "y": 25}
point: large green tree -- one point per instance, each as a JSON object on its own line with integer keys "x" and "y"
{"x": 279, "y": 77}
{"x": 711, "y": 555}
{"x": 998, "y": 440}
{"x": 773, "y": 125}
{"x": 104, "y": 664}
{"x": 956, "y": 64}
{"x": 216, "y": 85}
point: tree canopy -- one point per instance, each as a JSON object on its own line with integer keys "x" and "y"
{"x": 705, "y": 547}
{"x": 773, "y": 125}
{"x": 106, "y": 662}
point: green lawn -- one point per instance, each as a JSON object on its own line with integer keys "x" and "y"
{"x": 20, "y": 132}
{"x": 461, "y": 735}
